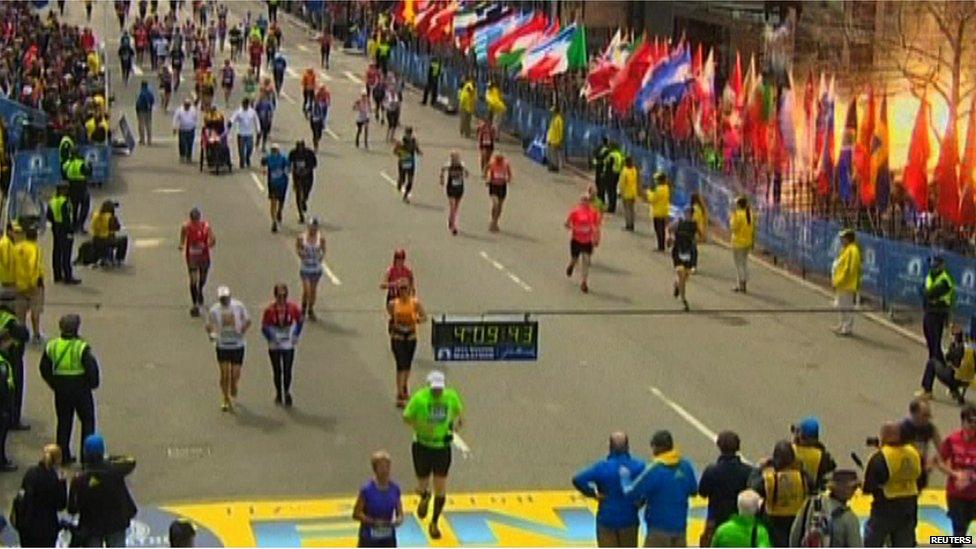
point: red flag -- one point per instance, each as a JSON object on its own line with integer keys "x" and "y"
{"x": 681, "y": 127}
{"x": 538, "y": 23}
{"x": 967, "y": 177}
{"x": 737, "y": 80}
{"x": 629, "y": 80}
{"x": 862, "y": 154}
{"x": 423, "y": 19}
{"x": 915, "y": 177}
{"x": 697, "y": 62}
{"x": 441, "y": 24}
{"x": 946, "y": 177}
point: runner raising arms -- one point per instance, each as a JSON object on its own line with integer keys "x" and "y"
{"x": 310, "y": 248}
{"x": 406, "y": 313}
{"x": 584, "y": 224}
{"x": 397, "y": 272}
{"x": 452, "y": 177}
{"x": 281, "y": 325}
{"x": 486, "y": 142}
{"x": 196, "y": 240}
{"x": 498, "y": 176}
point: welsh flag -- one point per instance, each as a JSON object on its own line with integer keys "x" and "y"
{"x": 607, "y": 66}
{"x": 506, "y": 45}
{"x": 555, "y": 56}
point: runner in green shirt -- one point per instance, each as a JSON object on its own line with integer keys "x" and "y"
{"x": 433, "y": 412}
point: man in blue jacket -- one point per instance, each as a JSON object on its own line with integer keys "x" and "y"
{"x": 276, "y": 165}
{"x": 616, "y": 516}
{"x": 663, "y": 489}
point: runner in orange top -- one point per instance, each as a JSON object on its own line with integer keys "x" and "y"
{"x": 498, "y": 176}
{"x": 308, "y": 90}
{"x": 584, "y": 224}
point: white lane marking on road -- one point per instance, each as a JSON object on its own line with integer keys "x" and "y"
{"x": 136, "y": 70}
{"x": 352, "y": 77}
{"x": 462, "y": 446}
{"x": 332, "y": 134}
{"x": 332, "y": 276}
{"x": 147, "y": 242}
{"x": 291, "y": 72}
{"x": 304, "y": 48}
{"x": 287, "y": 97}
{"x": 685, "y": 414}
{"x": 511, "y": 276}
{"x": 257, "y": 181}
{"x": 169, "y": 190}
{"x": 388, "y": 179}
{"x": 325, "y": 76}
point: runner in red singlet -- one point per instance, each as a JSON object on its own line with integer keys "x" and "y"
{"x": 498, "y": 176}
{"x": 395, "y": 273}
{"x": 584, "y": 224}
{"x": 196, "y": 241}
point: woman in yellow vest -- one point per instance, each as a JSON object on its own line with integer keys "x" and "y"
{"x": 406, "y": 313}
{"x": 742, "y": 224}
{"x": 628, "y": 184}
{"x": 784, "y": 486}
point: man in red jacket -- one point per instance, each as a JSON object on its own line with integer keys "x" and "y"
{"x": 958, "y": 453}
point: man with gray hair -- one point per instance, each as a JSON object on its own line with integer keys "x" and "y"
{"x": 743, "y": 529}
{"x": 616, "y": 517}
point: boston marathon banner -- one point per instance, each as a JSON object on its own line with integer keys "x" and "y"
{"x": 16, "y": 116}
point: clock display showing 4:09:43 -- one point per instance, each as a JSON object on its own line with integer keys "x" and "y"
{"x": 494, "y": 334}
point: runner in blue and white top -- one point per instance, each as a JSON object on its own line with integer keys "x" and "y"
{"x": 310, "y": 248}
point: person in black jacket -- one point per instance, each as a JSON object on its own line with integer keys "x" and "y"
{"x": 13, "y": 338}
{"x": 721, "y": 483}
{"x": 70, "y": 369}
{"x": 45, "y": 493}
{"x": 100, "y": 497}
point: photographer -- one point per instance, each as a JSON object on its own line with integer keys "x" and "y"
{"x": 826, "y": 520}
{"x": 811, "y": 454}
{"x": 104, "y": 226}
{"x": 891, "y": 477}
{"x": 100, "y": 497}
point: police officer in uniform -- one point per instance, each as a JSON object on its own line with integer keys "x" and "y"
{"x": 76, "y": 171}
{"x": 59, "y": 215}
{"x": 6, "y": 405}
{"x": 433, "y": 78}
{"x": 66, "y": 148}
{"x": 783, "y": 485}
{"x": 599, "y": 163}
{"x": 892, "y": 476}
{"x": 810, "y": 453}
{"x": 939, "y": 294}
{"x": 13, "y": 338}
{"x": 614, "y": 164}
{"x": 383, "y": 56}
{"x": 69, "y": 367}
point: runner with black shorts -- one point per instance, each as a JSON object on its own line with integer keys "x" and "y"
{"x": 406, "y": 151}
{"x": 406, "y": 313}
{"x": 486, "y": 142}
{"x": 584, "y": 223}
{"x": 227, "y": 323}
{"x": 196, "y": 241}
{"x": 434, "y": 413}
{"x": 498, "y": 176}
{"x": 452, "y": 178}
{"x": 683, "y": 251}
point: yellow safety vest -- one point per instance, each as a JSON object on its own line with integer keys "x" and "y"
{"x": 65, "y": 354}
{"x": 904, "y": 468}
{"x": 785, "y": 492}
{"x": 435, "y": 67}
{"x": 56, "y": 205}
{"x": 809, "y": 458}
{"x": 949, "y": 296}
{"x": 72, "y": 169}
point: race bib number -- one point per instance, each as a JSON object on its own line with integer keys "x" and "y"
{"x": 684, "y": 256}
{"x": 406, "y": 163}
{"x": 283, "y": 335}
{"x": 277, "y": 173}
{"x": 196, "y": 251}
{"x": 438, "y": 413}
{"x": 381, "y": 532}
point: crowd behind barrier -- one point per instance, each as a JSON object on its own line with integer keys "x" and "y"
{"x": 894, "y": 272}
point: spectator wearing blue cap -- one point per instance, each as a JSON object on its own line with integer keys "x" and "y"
{"x": 100, "y": 497}
{"x": 810, "y": 453}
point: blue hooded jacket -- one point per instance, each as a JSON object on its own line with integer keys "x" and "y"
{"x": 664, "y": 488}
{"x": 605, "y": 477}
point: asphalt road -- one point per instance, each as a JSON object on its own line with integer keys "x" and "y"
{"x": 742, "y": 362}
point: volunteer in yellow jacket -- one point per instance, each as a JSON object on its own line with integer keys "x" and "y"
{"x": 467, "y": 99}
{"x": 7, "y": 273}
{"x": 628, "y": 191}
{"x": 496, "y": 105}
{"x": 29, "y": 281}
{"x": 554, "y": 139}
{"x": 847, "y": 281}
{"x": 660, "y": 199}
{"x": 743, "y": 226}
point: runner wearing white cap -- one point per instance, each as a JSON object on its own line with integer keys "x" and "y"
{"x": 227, "y": 323}
{"x": 434, "y": 413}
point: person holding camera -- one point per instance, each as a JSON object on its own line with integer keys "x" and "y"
{"x": 811, "y": 454}
{"x": 783, "y": 485}
{"x": 891, "y": 476}
{"x": 826, "y": 520}
{"x": 104, "y": 226}
{"x": 100, "y": 497}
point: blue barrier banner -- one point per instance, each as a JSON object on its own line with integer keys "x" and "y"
{"x": 38, "y": 168}
{"x": 97, "y": 156}
{"x": 963, "y": 271}
{"x": 15, "y": 116}
{"x": 905, "y": 270}
{"x": 130, "y": 140}
{"x": 873, "y": 258}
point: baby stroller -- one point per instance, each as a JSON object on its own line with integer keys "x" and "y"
{"x": 215, "y": 151}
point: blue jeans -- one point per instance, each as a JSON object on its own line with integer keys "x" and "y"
{"x": 186, "y": 144}
{"x": 245, "y": 145}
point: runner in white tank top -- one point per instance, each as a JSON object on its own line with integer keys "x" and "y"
{"x": 311, "y": 251}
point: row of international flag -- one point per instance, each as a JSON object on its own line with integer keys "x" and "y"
{"x": 760, "y": 118}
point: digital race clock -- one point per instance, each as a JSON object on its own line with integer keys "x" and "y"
{"x": 484, "y": 338}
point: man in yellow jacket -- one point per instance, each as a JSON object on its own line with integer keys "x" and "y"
{"x": 847, "y": 281}
{"x": 660, "y": 199}
{"x": 554, "y": 139}
{"x": 29, "y": 281}
{"x": 7, "y": 275}
{"x": 467, "y": 99}
{"x": 496, "y": 105}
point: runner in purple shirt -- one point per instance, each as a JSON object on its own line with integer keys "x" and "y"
{"x": 378, "y": 508}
